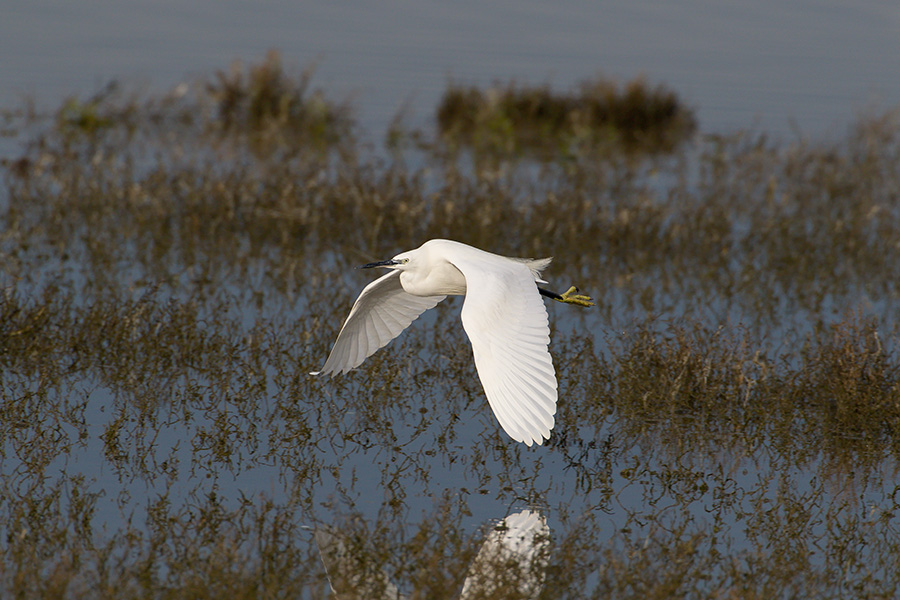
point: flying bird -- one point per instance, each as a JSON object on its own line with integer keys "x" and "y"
{"x": 503, "y": 316}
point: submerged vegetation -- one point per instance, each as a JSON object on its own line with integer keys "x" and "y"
{"x": 172, "y": 267}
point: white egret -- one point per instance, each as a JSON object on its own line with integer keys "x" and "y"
{"x": 511, "y": 562}
{"x": 503, "y": 315}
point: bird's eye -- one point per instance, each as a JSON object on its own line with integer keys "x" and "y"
{"x": 403, "y": 261}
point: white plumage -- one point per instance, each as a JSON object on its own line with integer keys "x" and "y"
{"x": 510, "y": 564}
{"x": 503, "y": 316}
{"x": 512, "y": 560}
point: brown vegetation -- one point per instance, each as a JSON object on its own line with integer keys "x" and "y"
{"x": 728, "y": 426}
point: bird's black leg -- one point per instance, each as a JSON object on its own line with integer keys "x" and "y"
{"x": 550, "y": 294}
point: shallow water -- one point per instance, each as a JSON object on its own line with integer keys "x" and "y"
{"x": 812, "y": 65}
{"x": 728, "y": 421}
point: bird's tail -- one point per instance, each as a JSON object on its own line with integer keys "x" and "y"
{"x": 537, "y": 265}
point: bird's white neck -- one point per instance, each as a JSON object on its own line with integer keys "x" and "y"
{"x": 442, "y": 279}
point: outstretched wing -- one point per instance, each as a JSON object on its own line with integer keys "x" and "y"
{"x": 506, "y": 321}
{"x": 382, "y": 311}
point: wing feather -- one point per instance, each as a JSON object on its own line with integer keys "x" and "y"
{"x": 529, "y": 413}
{"x": 512, "y": 421}
{"x": 382, "y": 311}
{"x": 507, "y": 324}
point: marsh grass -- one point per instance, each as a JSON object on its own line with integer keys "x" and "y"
{"x": 172, "y": 268}
{"x": 273, "y": 108}
{"x": 599, "y": 117}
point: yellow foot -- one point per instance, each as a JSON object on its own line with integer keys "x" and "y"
{"x": 571, "y": 296}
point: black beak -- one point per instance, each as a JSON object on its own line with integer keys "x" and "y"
{"x": 381, "y": 263}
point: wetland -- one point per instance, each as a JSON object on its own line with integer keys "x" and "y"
{"x": 172, "y": 266}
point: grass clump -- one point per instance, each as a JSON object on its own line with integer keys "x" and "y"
{"x": 511, "y": 119}
{"x": 266, "y": 104}
{"x": 682, "y": 387}
{"x": 849, "y": 394}
{"x": 263, "y": 109}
